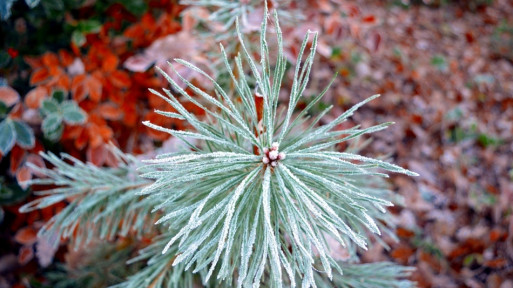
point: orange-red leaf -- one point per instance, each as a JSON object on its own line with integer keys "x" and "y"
{"x": 17, "y": 157}
{"x": 160, "y": 120}
{"x": 25, "y": 254}
{"x": 9, "y": 96}
{"x": 38, "y": 161}
{"x": 39, "y": 76}
{"x": 23, "y": 174}
{"x": 55, "y": 71}
{"x": 78, "y": 80}
{"x": 97, "y": 155}
{"x": 95, "y": 139}
{"x": 94, "y": 87}
{"x": 110, "y": 111}
{"x": 71, "y": 132}
{"x": 111, "y": 159}
{"x": 156, "y": 102}
{"x": 33, "y": 62}
{"x": 496, "y": 263}
{"x": 495, "y": 234}
{"x": 120, "y": 79}
{"x": 130, "y": 114}
{"x": 106, "y": 132}
{"x": 81, "y": 140}
{"x": 193, "y": 108}
{"x": 50, "y": 59}
{"x": 16, "y": 111}
{"x": 371, "y": 19}
{"x": 65, "y": 57}
{"x": 63, "y": 82}
{"x": 259, "y": 103}
{"x": 402, "y": 253}
{"x": 26, "y": 236}
{"x": 110, "y": 62}
{"x": 78, "y": 90}
{"x": 79, "y": 93}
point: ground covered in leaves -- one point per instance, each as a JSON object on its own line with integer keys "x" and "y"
{"x": 446, "y": 80}
{"x": 445, "y": 72}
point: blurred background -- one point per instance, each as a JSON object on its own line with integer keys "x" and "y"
{"x": 444, "y": 69}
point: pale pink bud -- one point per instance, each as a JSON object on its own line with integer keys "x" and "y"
{"x": 274, "y": 163}
{"x": 281, "y": 156}
{"x": 275, "y": 146}
{"x": 265, "y": 160}
{"x": 273, "y": 155}
{"x": 266, "y": 150}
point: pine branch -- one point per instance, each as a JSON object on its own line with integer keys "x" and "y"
{"x": 244, "y": 214}
{"x": 102, "y": 202}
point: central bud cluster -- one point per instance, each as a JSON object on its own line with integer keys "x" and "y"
{"x": 272, "y": 155}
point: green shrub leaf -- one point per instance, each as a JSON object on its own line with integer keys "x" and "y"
{"x": 74, "y": 117}
{"x": 72, "y": 113}
{"x": 58, "y": 95}
{"x": 8, "y": 136}
{"x": 78, "y": 38}
{"x": 56, "y": 134}
{"x": 24, "y": 135}
{"x": 52, "y": 124}
{"x": 49, "y": 106}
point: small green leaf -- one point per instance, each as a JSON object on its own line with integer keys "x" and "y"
{"x": 74, "y": 117}
{"x": 487, "y": 140}
{"x": 59, "y": 95}
{"x": 51, "y": 125}
{"x": 335, "y": 52}
{"x": 56, "y": 134}
{"x": 69, "y": 105}
{"x": 49, "y": 106}
{"x": 439, "y": 62}
{"x": 89, "y": 26}
{"x": 72, "y": 113}
{"x": 24, "y": 135}
{"x": 8, "y": 136}
{"x": 78, "y": 38}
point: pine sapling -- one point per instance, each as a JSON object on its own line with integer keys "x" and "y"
{"x": 259, "y": 193}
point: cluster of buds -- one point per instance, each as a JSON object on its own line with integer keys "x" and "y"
{"x": 272, "y": 155}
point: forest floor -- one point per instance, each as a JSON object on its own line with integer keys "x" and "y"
{"x": 446, "y": 78}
